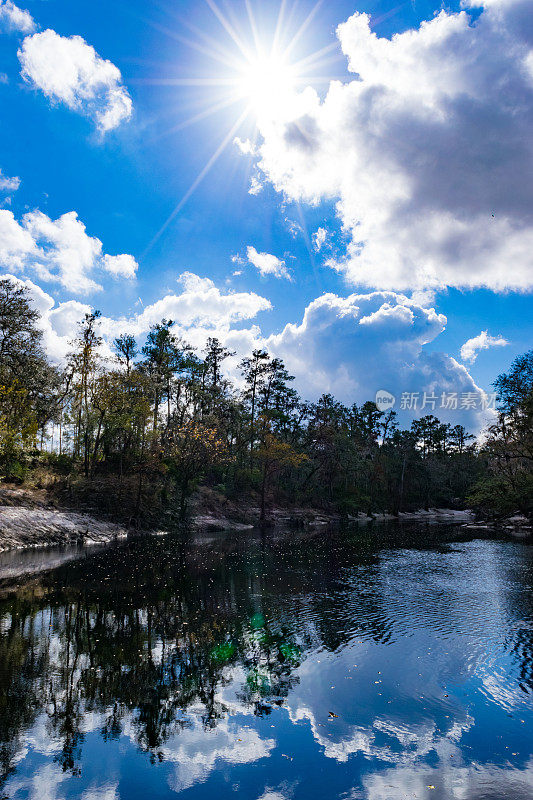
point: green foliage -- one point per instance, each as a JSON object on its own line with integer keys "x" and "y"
{"x": 509, "y": 445}
{"x": 494, "y": 495}
{"x": 158, "y": 420}
{"x": 60, "y": 463}
{"x": 18, "y": 429}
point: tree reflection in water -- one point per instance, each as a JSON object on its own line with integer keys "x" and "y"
{"x": 138, "y": 632}
{"x": 144, "y": 636}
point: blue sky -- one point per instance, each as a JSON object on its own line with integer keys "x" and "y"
{"x": 404, "y": 174}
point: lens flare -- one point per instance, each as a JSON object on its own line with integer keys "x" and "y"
{"x": 268, "y": 82}
{"x": 254, "y": 71}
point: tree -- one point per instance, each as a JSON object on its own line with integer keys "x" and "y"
{"x": 165, "y": 356}
{"x": 28, "y": 383}
{"x": 514, "y": 388}
{"x": 253, "y": 370}
{"x": 18, "y": 429}
{"x": 126, "y": 350}
{"x": 193, "y": 449}
{"x": 215, "y": 355}
{"x": 459, "y": 439}
{"x": 84, "y": 366}
{"x": 20, "y": 337}
{"x": 275, "y": 456}
{"x": 509, "y": 444}
{"x": 261, "y": 437}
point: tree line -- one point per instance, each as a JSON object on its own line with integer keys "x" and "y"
{"x": 140, "y": 431}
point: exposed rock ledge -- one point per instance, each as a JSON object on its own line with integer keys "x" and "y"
{"x": 517, "y": 524}
{"x": 22, "y": 527}
{"x": 210, "y": 522}
{"x": 436, "y": 515}
{"x": 311, "y": 518}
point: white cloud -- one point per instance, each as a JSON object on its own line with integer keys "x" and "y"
{"x": 123, "y": 266}
{"x": 470, "y": 349}
{"x": 195, "y": 756}
{"x": 267, "y": 264}
{"x": 457, "y": 779}
{"x": 256, "y": 187}
{"x": 13, "y": 18}
{"x": 70, "y": 71}
{"x": 7, "y": 184}
{"x": 351, "y": 347}
{"x": 319, "y": 238}
{"x": 425, "y": 151}
{"x": 66, "y": 253}
{"x": 354, "y": 346}
{"x": 108, "y": 791}
{"x": 16, "y": 243}
{"x": 246, "y": 147}
{"x": 57, "y": 250}
{"x": 198, "y": 309}
{"x": 44, "y": 783}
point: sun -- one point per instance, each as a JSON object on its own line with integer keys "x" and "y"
{"x": 258, "y": 75}
{"x": 268, "y": 82}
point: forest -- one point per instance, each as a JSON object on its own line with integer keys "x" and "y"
{"x": 137, "y": 434}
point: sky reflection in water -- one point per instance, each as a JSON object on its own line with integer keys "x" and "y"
{"x": 338, "y": 667}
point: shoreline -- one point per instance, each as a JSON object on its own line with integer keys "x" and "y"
{"x": 30, "y": 522}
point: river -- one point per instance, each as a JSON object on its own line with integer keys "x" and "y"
{"x": 384, "y": 663}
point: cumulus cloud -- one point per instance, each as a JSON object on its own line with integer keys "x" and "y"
{"x": 7, "y": 184}
{"x": 256, "y": 187}
{"x": 245, "y": 146}
{"x": 351, "y": 347}
{"x": 425, "y": 151}
{"x": 16, "y": 243}
{"x": 471, "y": 348}
{"x": 355, "y": 346}
{"x": 68, "y": 70}
{"x": 267, "y": 264}
{"x": 199, "y": 308}
{"x": 58, "y": 250}
{"x": 13, "y": 18}
{"x": 123, "y": 266}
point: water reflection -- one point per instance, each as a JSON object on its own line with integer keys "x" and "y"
{"x": 336, "y": 667}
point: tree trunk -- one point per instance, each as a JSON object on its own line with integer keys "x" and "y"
{"x": 96, "y": 445}
{"x": 263, "y": 493}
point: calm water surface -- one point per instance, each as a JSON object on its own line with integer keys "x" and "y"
{"x": 380, "y": 664}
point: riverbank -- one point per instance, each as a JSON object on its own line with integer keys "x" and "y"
{"x": 30, "y": 518}
{"x": 21, "y": 528}
{"x": 214, "y": 511}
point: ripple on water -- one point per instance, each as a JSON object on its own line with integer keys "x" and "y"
{"x": 335, "y": 668}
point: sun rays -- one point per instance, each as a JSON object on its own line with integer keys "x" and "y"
{"x": 254, "y": 73}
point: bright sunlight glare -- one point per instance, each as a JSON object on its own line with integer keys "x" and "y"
{"x": 267, "y": 82}
{"x": 263, "y": 76}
